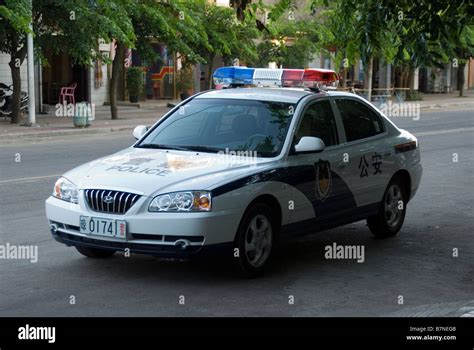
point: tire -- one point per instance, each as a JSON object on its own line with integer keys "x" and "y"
{"x": 255, "y": 240}
{"x": 95, "y": 252}
{"x": 390, "y": 217}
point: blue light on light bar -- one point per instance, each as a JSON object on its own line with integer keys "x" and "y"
{"x": 243, "y": 75}
{"x": 226, "y": 76}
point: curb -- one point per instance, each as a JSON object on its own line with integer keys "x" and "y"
{"x": 59, "y": 133}
{"x": 436, "y": 105}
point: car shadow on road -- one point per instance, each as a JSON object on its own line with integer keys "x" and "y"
{"x": 295, "y": 256}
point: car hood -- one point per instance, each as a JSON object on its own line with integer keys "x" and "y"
{"x": 153, "y": 171}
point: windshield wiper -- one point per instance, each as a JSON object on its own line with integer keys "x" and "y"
{"x": 202, "y": 149}
{"x": 181, "y": 148}
{"x": 158, "y": 146}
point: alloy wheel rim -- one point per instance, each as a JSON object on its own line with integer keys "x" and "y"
{"x": 258, "y": 240}
{"x": 392, "y": 211}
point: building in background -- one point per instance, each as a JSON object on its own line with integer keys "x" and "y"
{"x": 159, "y": 77}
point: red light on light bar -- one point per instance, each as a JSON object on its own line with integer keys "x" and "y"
{"x": 292, "y": 77}
{"x": 322, "y": 75}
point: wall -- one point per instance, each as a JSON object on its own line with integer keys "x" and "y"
{"x": 5, "y": 74}
{"x": 98, "y": 94}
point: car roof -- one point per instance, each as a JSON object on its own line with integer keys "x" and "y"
{"x": 286, "y": 95}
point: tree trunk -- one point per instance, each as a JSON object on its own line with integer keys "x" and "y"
{"x": 209, "y": 70}
{"x": 16, "y": 78}
{"x": 16, "y": 59}
{"x": 411, "y": 81}
{"x": 461, "y": 79}
{"x": 404, "y": 77}
{"x": 368, "y": 69}
{"x": 117, "y": 66}
{"x": 343, "y": 80}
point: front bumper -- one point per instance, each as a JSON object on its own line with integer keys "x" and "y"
{"x": 166, "y": 251}
{"x": 160, "y": 234}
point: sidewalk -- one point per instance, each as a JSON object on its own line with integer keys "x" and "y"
{"x": 49, "y": 125}
{"x": 448, "y": 100}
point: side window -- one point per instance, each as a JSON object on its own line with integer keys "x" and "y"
{"x": 318, "y": 121}
{"x": 359, "y": 120}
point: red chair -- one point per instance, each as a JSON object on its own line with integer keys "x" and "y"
{"x": 67, "y": 92}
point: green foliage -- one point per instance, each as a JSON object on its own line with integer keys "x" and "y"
{"x": 75, "y": 27}
{"x": 226, "y": 35}
{"x": 290, "y": 43}
{"x": 418, "y": 33}
{"x": 135, "y": 81}
{"x": 15, "y": 16}
{"x": 358, "y": 29}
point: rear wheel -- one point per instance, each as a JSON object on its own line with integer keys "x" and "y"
{"x": 95, "y": 252}
{"x": 391, "y": 215}
{"x": 255, "y": 239}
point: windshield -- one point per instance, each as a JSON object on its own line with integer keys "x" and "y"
{"x": 214, "y": 125}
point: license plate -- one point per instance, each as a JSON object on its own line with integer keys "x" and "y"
{"x": 90, "y": 225}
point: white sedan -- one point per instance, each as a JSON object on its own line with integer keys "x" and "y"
{"x": 237, "y": 169}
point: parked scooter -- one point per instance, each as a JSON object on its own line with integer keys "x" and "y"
{"x": 6, "y": 95}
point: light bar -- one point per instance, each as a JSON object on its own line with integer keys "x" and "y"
{"x": 225, "y": 77}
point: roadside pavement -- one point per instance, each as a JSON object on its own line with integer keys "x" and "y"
{"x": 147, "y": 113}
{"x": 49, "y": 125}
{"x": 441, "y": 100}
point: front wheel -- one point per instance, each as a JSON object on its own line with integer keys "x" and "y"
{"x": 95, "y": 252}
{"x": 255, "y": 240}
{"x": 391, "y": 215}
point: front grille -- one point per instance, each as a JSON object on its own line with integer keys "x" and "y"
{"x": 108, "y": 201}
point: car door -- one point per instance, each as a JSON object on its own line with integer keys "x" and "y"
{"x": 364, "y": 157}
{"x": 316, "y": 174}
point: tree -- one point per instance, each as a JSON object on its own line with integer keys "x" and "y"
{"x": 290, "y": 43}
{"x": 226, "y": 35}
{"x": 412, "y": 34}
{"x": 359, "y": 30}
{"x": 463, "y": 52}
{"x": 15, "y": 16}
{"x": 73, "y": 27}
{"x": 430, "y": 34}
{"x": 174, "y": 23}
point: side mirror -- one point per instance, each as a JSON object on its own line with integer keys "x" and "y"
{"x": 309, "y": 144}
{"x": 139, "y": 131}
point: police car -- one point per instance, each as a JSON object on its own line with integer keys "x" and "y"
{"x": 239, "y": 168}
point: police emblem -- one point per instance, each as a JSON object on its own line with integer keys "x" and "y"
{"x": 323, "y": 179}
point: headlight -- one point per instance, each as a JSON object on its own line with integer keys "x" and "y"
{"x": 182, "y": 201}
{"x": 65, "y": 190}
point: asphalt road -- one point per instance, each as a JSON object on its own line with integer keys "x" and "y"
{"x": 417, "y": 264}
